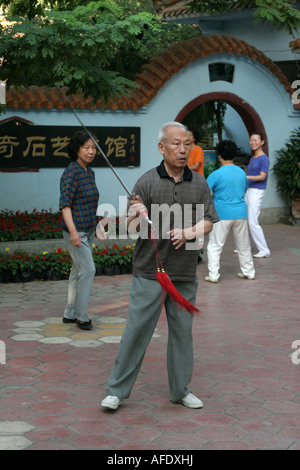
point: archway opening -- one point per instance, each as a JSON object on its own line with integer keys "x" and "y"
{"x": 249, "y": 119}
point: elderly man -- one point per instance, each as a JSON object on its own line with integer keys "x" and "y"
{"x": 172, "y": 183}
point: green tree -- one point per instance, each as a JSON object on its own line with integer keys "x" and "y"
{"x": 31, "y": 8}
{"x": 281, "y": 13}
{"x": 94, "y": 49}
{"x": 72, "y": 49}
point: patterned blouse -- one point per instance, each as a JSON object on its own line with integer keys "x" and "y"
{"x": 78, "y": 191}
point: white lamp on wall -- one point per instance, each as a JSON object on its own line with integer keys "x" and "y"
{"x": 2, "y": 92}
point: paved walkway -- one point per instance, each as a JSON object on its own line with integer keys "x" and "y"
{"x": 54, "y": 377}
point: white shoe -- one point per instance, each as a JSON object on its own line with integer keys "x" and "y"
{"x": 209, "y": 279}
{"x": 243, "y": 276}
{"x": 191, "y": 401}
{"x": 262, "y": 255}
{"x": 111, "y": 402}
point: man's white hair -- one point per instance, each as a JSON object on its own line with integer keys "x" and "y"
{"x": 162, "y": 135}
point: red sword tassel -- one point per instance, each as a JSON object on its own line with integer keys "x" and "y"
{"x": 166, "y": 283}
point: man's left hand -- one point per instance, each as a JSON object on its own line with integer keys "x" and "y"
{"x": 178, "y": 238}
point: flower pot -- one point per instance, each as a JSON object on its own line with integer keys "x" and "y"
{"x": 56, "y": 276}
{"x": 43, "y": 275}
{"x": 6, "y": 277}
{"x": 27, "y": 276}
{"x": 1, "y": 277}
{"x": 109, "y": 270}
{"x": 117, "y": 269}
{"x": 124, "y": 269}
{"x": 99, "y": 270}
{"x": 296, "y": 207}
{"x": 16, "y": 277}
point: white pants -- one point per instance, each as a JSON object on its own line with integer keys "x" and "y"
{"x": 217, "y": 239}
{"x": 254, "y": 199}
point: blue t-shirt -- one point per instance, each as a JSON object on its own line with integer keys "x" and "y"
{"x": 229, "y": 184}
{"x": 256, "y": 165}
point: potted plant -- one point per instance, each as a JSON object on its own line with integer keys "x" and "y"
{"x": 128, "y": 257}
{"x": 109, "y": 261}
{"x": 7, "y": 266}
{"x": 26, "y": 265}
{"x": 1, "y": 268}
{"x": 287, "y": 171}
{"x": 15, "y": 265}
{"x": 41, "y": 265}
{"x": 61, "y": 264}
{"x": 120, "y": 260}
{"x": 98, "y": 257}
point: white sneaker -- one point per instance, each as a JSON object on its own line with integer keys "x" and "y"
{"x": 209, "y": 279}
{"x": 243, "y": 276}
{"x": 111, "y": 402}
{"x": 262, "y": 255}
{"x": 191, "y": 401}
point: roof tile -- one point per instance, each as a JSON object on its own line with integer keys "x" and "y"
{"x": 295, "y": 46}
{"x": 151, "y": 78}
{"x": 173, "y": 8}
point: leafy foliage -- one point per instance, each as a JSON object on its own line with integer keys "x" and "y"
{"x": 72, "y": 48}
{"x": 287, "y": 168}
{"x": 279, "y": 12}
{"x": 29, "y": 226}
{"x": 32, "y": 8}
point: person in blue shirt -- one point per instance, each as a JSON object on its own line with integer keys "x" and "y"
{"x": 229, "y": 185}
{"x": 257, "y": 175}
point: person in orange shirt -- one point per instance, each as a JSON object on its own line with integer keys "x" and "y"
{"x": 196, "y": 157}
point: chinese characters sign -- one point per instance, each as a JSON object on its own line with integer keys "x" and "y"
{"x": 25, "y": 146}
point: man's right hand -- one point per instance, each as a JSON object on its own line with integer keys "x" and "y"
{"x": 136, "y": 208}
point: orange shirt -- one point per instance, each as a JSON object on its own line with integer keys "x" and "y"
{"x": 197, "y": 155}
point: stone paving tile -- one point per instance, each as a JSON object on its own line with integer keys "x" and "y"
{"x": 54, "y": 378}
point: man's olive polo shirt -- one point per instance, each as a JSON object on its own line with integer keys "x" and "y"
{"x": 192, "y": 201}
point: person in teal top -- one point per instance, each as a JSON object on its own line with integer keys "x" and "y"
{"x": 229, "y": 185}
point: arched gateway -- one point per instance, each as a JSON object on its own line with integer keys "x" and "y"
{"x": 249, "y": 116}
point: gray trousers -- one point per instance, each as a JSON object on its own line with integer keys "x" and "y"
{"x": 81, "y": 276}
{"x": 144, "y": 311}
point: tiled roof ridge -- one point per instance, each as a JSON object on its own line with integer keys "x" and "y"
{"x": 174, "y": 8}
{"x": 295, "y": 45}
{"x": 151, "y": 78}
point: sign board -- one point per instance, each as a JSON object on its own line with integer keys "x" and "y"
{"x": 25, "y": 146}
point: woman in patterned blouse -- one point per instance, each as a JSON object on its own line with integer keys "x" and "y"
{"x": 78, "y": 202}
